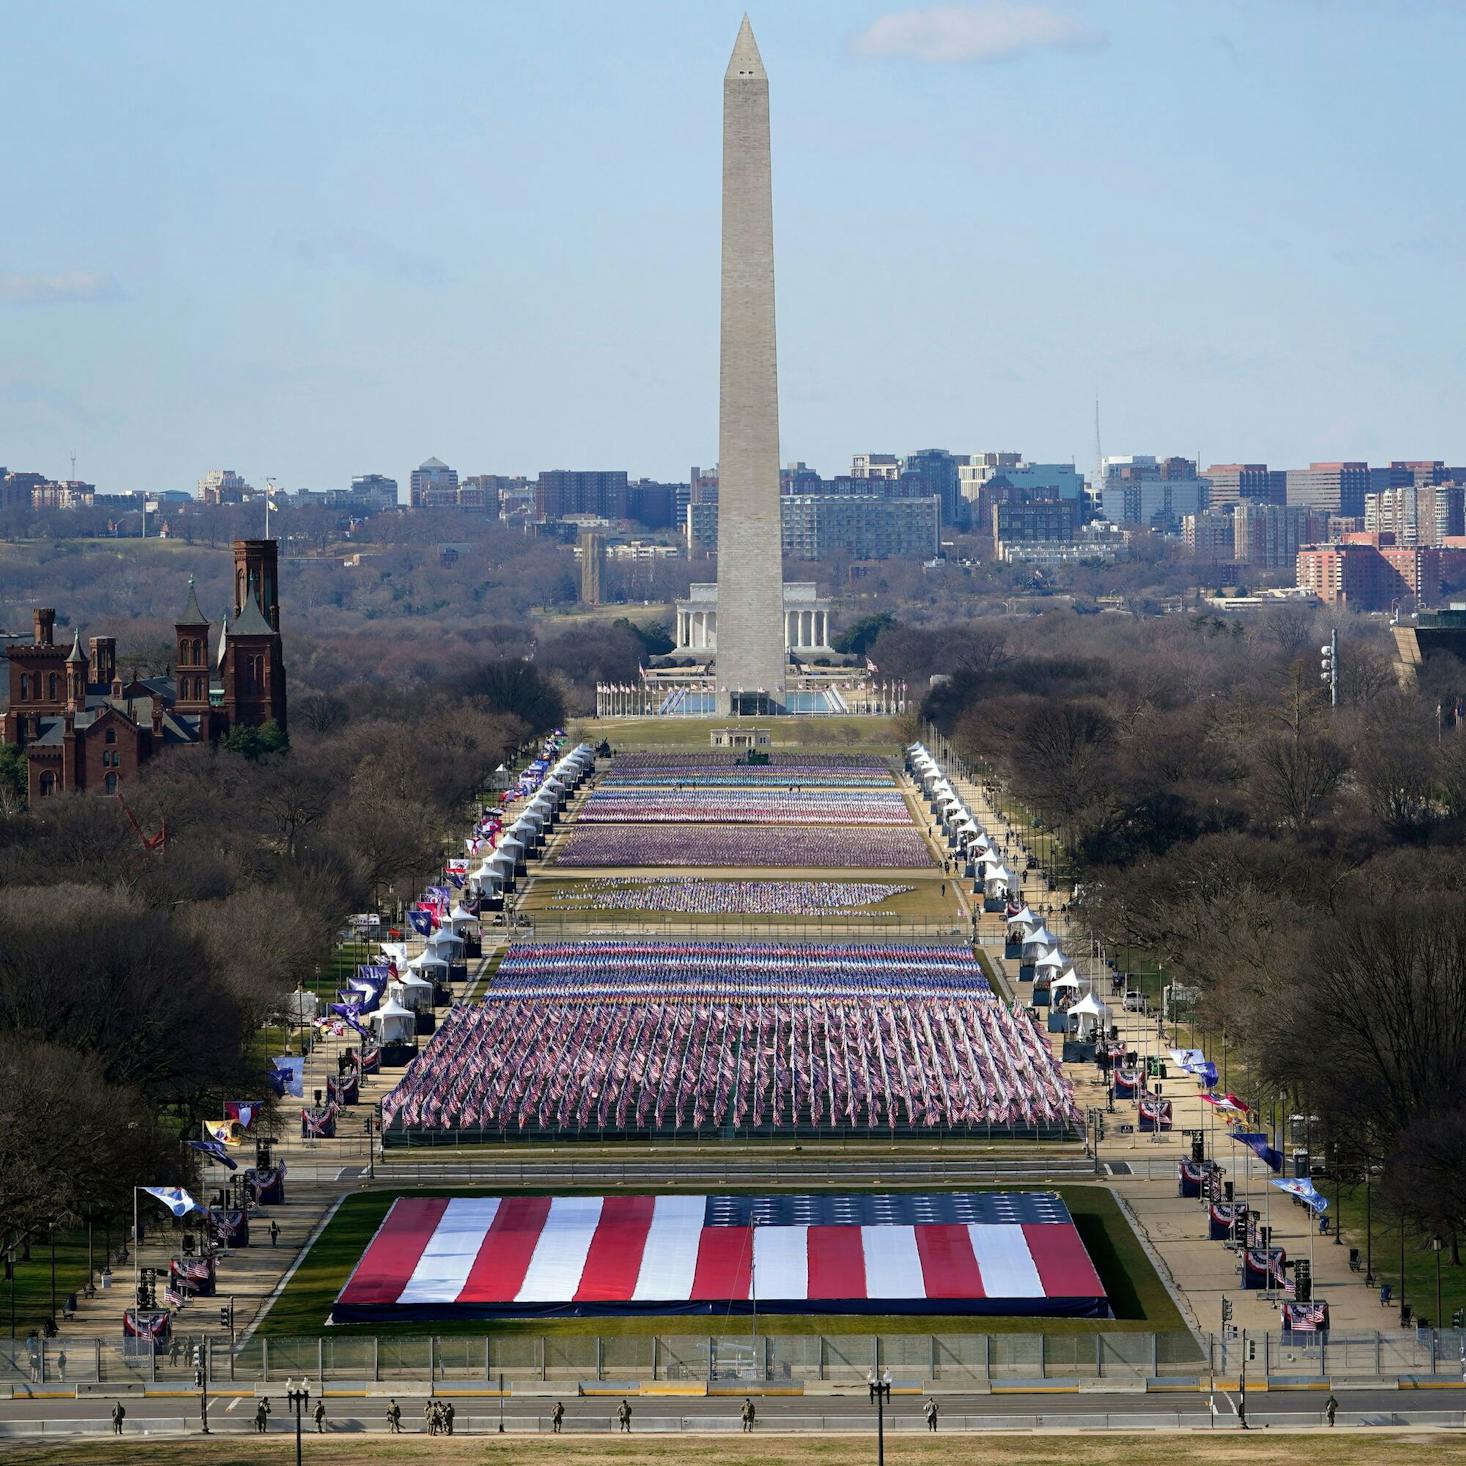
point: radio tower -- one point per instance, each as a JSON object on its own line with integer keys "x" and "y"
{"x": 1099, "y": 458}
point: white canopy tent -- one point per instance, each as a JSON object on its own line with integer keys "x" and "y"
{"x": 1089, "y": 1015}
{"x": 1037, "y": 942}
{"x": 411, "y": 991}
{"x": 394, "y": 1023}
{"x": 996, "y": 879}
{"x": 445, "y": 943}
{"x": 1054, "y": 961}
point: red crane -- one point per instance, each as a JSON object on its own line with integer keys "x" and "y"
{"x": 153, "y": 844}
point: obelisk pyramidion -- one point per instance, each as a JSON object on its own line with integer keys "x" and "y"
{"x": 750, "y": 656}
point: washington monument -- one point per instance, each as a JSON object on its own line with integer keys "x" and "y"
{"x": 750, "y": 657}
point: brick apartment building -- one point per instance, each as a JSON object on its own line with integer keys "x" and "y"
{"x": 1368, "y": 572}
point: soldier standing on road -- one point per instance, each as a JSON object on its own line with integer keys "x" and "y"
{"x": 262, "y": 1415}
{"x": 448, "y": 1413}
{"x": 623, "y": 1414}
{"x": 118, "y": 1413}
{"x": 747, "y": 1415}
{"x": 430, "y": 1416}
{"x": 394, "y": 1418}
{"x": 557, "y": 1418}
{"x": 1331, "y": 1408}
{"x": 320, "y": 1413}
{"x": 930, "y": 1411}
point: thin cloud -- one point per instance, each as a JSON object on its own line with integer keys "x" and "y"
{"x": 78, "y": 287}
{"x": 997, "y": 31}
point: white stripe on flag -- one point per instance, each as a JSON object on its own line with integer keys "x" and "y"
{"x": 554, "y": 1271}
{"x": 781, "y": 1262}
{"x": 892, "y": 1263}
{"x": 669, "y": 1261}
{"x": 1005, "y": 1262}
{"x": 442, "y": 1269}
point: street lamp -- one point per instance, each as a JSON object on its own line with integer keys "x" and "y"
{"x": 298, "y": 1400}
{"x": 1437, "y": 1244}
{"x": 880, "y": 1393}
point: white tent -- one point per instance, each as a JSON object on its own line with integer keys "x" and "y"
{"x": 426, "y": 961}
{"x": 996, "y": 878}
{"x": 1024, "y": 918}
{"x": 1089, "y": 1015}
{"x": 1039, "y": 941}
{"x": 1070, "y": 979}
{"x": 1054, "y": 961}
{"x": 412, "y": 992}
{"x": 460, "y": 913}
{"x": 445, "y": 943}
{"x": 394, "y": 1023}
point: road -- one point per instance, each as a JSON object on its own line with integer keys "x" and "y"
{"x": 813, "y": 1413}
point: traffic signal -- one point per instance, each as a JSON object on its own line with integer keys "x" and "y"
{"x": 1458, "y": 1318}
{"x": 1226, "y": 1310}
{"x": 1251, "y": 1349}
{"x": 198, "y": 1356}
{"x": 366, "y": 1125}
{"x": 226, "y": 1316}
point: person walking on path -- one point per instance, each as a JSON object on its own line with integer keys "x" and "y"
{"x": 262, "y": 1415}
{"x": 61, "y": 1366}
{"x": 320, "y": 1414}
{"x": 623, "y": 1414}
{"x": 1331, "y": 1408}
{"x": 274, "y": 1231}
{"x": 118, "y": 1415}
{"x": 394, "y": 1418}
{"x": 557, "y": 1418}
{"x": 747, "y": 1414}
{"x": 930, "y": 1411}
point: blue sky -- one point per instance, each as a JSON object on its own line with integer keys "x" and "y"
{"x": 325, "y": 239}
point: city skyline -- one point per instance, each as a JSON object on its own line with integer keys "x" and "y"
{"x": 980, "y": 227}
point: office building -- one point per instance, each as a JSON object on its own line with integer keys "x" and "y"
{"x": 816, "y": 526}
{"x": 1230, "y": 484}
{"x": 1208, "y": 535}
{"x": 1268, "y": 536}
{"x": 875, "y": 465}
{"x": 433, "y": 485}
{"x": 372, "y": 491}
{"x": 1335, "y": 488}
{"x": 931, "y": 473}
{"x": 223, "y": 486}
{"x": 1033, "y": 519}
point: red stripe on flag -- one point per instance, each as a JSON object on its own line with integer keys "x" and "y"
{"x": 393, "y": 1253}
{"x": 724, "y": 1263}
{"x": 948, "y": 1265}
{"x": 614, "y": 1260}
{"x": 1063, "y": 1265}
{"x": 836, "y": 1263}
{"x": 503, "y": 1258}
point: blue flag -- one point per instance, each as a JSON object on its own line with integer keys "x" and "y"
{"x": 175, "y": 1198}
{"x": 422, "y": 921}
{"x": 1257, "y": 1144}
{"x": 215, "y": 1151}
{"x": 287, "y": 1075}
{"x": 1305, "y": 1192}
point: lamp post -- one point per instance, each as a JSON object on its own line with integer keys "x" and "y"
{"x": 1437, "y": 1244}
{"x": 1404, "y": 1311}
{"x": 298, "y": 1400}
{"x": 880, "y": 1393}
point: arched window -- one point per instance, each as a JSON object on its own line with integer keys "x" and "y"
{"x": 111, "y": 783}
{"x": 48, "y": 783}
{"x": 25, "y": 687}
{"x": 111, "y": 736}
{"x": 51, "y": 686}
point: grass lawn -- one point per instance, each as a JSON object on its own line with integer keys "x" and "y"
{"x": 925, "y": 903}
{"x": 32, "y": 1285}
{"x": 1372, "y": 1447}
{"x": 878, "y": 734}
{"x": 1137, "y": 1295}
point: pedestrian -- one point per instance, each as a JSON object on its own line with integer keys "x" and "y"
{"x": 1331, "y": 1408}
{"x": 262, "y": 1415}
{"x": 320, "y": 1413}
{"x": 448, "y": 1413}
{"x": 173, "y": 1349}
{"x": 430, "y": 1416}
{"x": 118, "y": 1413}
{"x": 61, "y": 1366}
{"x": 930, "y": 1411}
{"x": 274, "y": 1231}
{"x": 394, "y": 1418}
{"x": 747, "y": 1415}
{"x": 557, "y": 1418}
{"x": 624, "y": 1416}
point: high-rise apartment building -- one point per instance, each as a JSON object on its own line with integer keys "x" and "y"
{"x": 223, "y": 486}
{"x": 815, "y": 526}
{"x": 561, "y": 492}
{"x": 1268, "y": 536}
{"x": 1366, "y": 574}
{"x": 433, "y": 485}
{"x": 931, "y": 473}
{"x": 875, "y": 465}
{"x": 1417, "y": 514}
{"x": 1208, "y": 535}
{"x": 372, "y": 491}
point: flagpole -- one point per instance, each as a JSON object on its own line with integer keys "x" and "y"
{"x": 136, "y": 1248}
